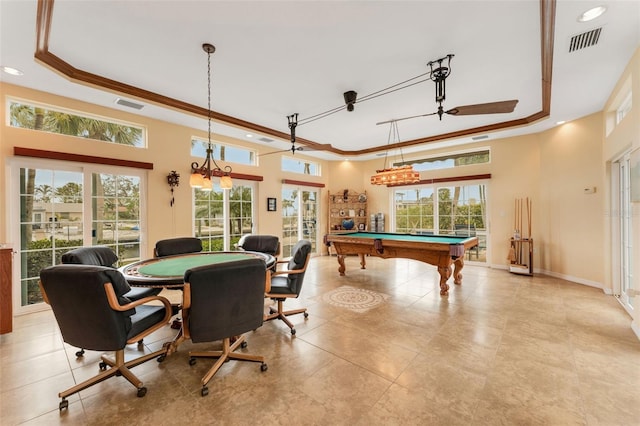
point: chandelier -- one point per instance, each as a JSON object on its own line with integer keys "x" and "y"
{"x": 399, "y": 175}
{"x": 201, "y": 175}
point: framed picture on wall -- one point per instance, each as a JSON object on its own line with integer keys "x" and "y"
{"x": 635, "y": 176}
{"x": 271, "y": 204}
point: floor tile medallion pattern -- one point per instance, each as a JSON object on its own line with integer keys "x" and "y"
{"x": 355, "y": 299}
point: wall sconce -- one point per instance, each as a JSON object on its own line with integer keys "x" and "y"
{"x": 173, "y": 179}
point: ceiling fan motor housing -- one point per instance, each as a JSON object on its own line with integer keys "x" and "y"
{"x": 350, "y": 99}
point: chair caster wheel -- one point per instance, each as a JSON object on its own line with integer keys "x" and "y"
{"x": 142, "y": 392}
{"x": 192, "y": 361}
{"x": 204, "y": 391}
{"x": 306, "y": 315}
{"x": 102, "y": 366}
{"x": 293, "y": 331}
{"x": 64, "y": 404}
{"x": 243, "y": 345}
{"x": 80, "y": 353}
{"x": 161, "y": 358}
{"x": 264, "y": 367}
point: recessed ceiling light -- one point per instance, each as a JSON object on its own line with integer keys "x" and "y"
{"x": 560, "y": 122}
{"x": 592, "y": 14}
{"x": 12, "y": 71}
{"x": 249, "y": 135}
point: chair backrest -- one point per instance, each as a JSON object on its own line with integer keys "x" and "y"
{"x": 269, "y": 244}
{"x": 79, "y": 302}
{"x": 299, "y": 257}
{"x": 94, "y": 255}
{"x": 227, "y": 299}
{"x": 181, "y": 245}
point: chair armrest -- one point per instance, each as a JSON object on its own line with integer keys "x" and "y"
{"x": 186, "y": 296}
{"x": 267, "y": 282}
{"x": 116, "y": 306}
{"x": 288, "y": 271}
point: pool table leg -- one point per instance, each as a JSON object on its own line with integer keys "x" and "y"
{"x": 341, "y": 268}
{"x": 458, "y": 264}
{"x": 445, "y": 273}
{"x": 363, "y": 263}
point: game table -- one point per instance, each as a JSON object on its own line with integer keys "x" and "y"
{"x": 439, "y": 250}
{"x": 168, "y": 272}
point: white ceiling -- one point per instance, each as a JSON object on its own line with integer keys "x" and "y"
{"x": 275, "y": 58}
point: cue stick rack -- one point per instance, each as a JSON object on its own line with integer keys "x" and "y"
{"x": 521, "y": 244}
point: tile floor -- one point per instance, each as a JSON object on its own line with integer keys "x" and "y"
{"x": 501, "y": 349}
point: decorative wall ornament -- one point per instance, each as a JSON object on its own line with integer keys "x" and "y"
{"x": 173, "y": 179}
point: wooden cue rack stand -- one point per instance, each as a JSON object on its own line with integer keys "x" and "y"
{"x": 521, "y": 248}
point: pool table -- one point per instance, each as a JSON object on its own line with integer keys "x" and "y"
{"x": 438, "y": 250}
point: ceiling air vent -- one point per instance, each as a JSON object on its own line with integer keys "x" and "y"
{"x": 129, "y": 104}
{"x": 265, "y": 140}
{"x": 584, "y": 40}
{"x": 479, "y": 138}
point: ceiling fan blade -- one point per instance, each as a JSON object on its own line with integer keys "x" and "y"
{"x": 406, "y": 118}
{"x": 295, "y": 149}
{"x": 502, "y": 107}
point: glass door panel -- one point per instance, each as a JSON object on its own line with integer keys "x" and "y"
{"x": 299, "y": 218}
{"x": 51, "y": 223}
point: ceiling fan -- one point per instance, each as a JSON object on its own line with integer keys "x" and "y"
{"x": 439, "y": 75}
{"x": 293, "y": 123}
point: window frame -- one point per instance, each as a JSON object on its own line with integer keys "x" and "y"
{"x": 15, "y": 100}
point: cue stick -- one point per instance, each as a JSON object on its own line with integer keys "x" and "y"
{"x": 520, "y": 228}
{"x": 512, "y": 251}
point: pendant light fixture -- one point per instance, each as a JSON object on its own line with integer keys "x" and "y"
{"x": 400, "y": 175}
{"x": 201, "y": 175}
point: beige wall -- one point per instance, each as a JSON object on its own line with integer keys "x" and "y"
{"x": 168, "y": 149}
{"x": 572, "y": 241}
{"x": 551, "y": 168}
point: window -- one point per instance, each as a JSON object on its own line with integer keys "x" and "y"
{"x": 414, "y": 210}
{"x": 444, "y": 210}
{"x": 116, "y": 214}
{"x": 222, "y": 217}
{"x": 624, "y": 108}
{"x": 48, "y": 119}
{"x": 449, "y": 161}
{"x": 296, "y": 165}
{"x": 223, "y": 152}
{"x": 61, "y": 207}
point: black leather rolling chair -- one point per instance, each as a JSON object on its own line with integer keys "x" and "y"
{"x": 92, "y": 312}
{"x": 173, "y": 247}
{"x": 287, "y": 283}
{"x": 220, "y": 302}
{"x": 180, "y": 245}
{"x": 104, "y": 256}
{"x": 268, "y": 244}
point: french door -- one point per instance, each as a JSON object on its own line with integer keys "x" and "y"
{"x": 221, "y": 217}
{"x": 299, "y": 217}
{"x": 623, "y": 249}
{"x": 55, "y": 206}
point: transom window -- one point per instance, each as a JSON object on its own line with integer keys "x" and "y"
{"x": 449, "y": 161}
{"x": 224, "y": 152}
{"x": 297, "y": 165}
{"x": 42, "y": 118}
